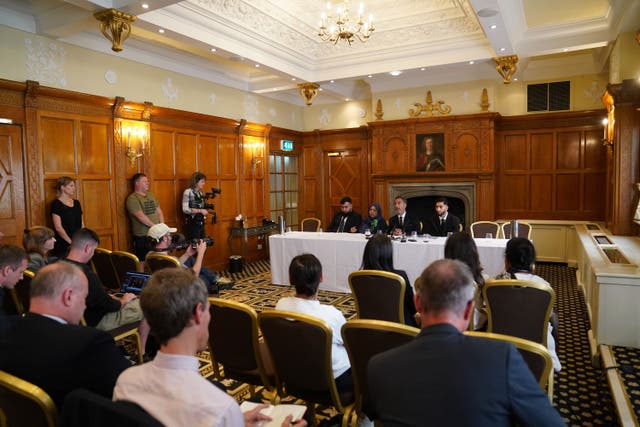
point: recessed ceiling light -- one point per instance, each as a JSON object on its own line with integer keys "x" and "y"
{"x": 331, "y": 81}
{"x": 320, "y": 89}
{"x": 565, "y": 50}
{"x": 487, "y": 13}
{"x": 502, "y": 49}
{"x": 161, "y": 30}
{"x": 145, "y": 5}
{"x": 493, "y": 27}
{"x": 422, "y": 69}
{"x": 293, "y": 79}
{"x": 395, "y": 73}
{"x": 370, "y": 75}
{"x": 515, "y": 79}
{"x": 213, "y": 49}
{"x": 347, "y": 99}
{"x": 472, "y": 62}
{"x": 257, "y": 65}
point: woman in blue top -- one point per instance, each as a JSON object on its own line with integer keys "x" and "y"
{"x": 374, "y": 220}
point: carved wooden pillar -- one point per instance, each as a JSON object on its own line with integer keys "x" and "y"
{"x": 625, "y": 162}
{"x": 35, "y": 208}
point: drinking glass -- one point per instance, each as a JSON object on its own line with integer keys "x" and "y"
{"x": 288, "y": 229}
{"x": 488, "y": 236}
{"x": 367, "y": 232}
{"x": 414, "y": 235}
{"x": 449, "y": 234}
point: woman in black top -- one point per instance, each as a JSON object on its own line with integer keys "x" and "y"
{"x": 378, "y": 255}
{"x": 66, "y": 215}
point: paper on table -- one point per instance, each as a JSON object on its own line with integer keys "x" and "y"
{"x": 277, "y": 413}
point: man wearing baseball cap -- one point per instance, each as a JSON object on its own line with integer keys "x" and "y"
{"x": 159, "y": 240}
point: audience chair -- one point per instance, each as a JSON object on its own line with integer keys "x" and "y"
{"x": 124, "y": 262}
{"x": 155, "y": 262}
{"x": 310, "y": 224}
{"x": 300, "y": 346}
{"x": 101, "y": 264}
{"x": 519, "y": 308}
{"x": 83, "y": 408}
{"x": 378, "y": 295}
{"x": 535, "y": 355}
{"x": 364, "y": 339}
{"x": 17, "y": 301}
{"x": 524, "y": 230}
{"x": 479, "y": 229}
{"x": 25, "y": 404}
{"x": 126, "y": 332}
{"x": 234, "y": 343}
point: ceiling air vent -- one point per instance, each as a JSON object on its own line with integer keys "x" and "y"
{"x": 549, "y": 96}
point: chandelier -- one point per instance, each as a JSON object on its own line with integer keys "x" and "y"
{"x": 344, "y": 26}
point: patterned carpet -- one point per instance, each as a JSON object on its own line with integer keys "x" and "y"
{"x": 581, "y": 393}
{"x": 628, "y": 362}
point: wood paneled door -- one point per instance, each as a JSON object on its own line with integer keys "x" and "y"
{"x": 343, "y": 174}
{"x": 12, "y": 202}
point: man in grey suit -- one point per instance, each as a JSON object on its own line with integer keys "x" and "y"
{"x": 444, "y": 378}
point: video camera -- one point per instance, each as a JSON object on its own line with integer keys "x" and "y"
{"x": 193, "y": 243}
{"x": 201, "y": 203}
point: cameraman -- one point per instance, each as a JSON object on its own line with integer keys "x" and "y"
{"x": 159, "y": 240}
{"x": 193, "y": 206}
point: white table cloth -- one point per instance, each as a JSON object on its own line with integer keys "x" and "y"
{"x": 341, "y": 254}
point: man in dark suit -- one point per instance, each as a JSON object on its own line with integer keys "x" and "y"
{"x": 345, "y": 221}
{"x": 442, "y": 222}
{"x": 48, "y": 348}
{"x": 403, "y": 222}
{"x": 444, "y": 378}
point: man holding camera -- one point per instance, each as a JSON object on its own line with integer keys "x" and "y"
{"x": 160, "y": 240}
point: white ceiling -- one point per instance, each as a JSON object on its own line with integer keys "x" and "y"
{"x": 430, "y": 41}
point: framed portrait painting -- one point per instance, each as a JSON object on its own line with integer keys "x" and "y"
{"x": 430, "y": 152}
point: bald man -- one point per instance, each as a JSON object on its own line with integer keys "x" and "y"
{"x": 49, "y": 348}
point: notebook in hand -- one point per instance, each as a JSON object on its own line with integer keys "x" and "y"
{"x": 134, "y": 282}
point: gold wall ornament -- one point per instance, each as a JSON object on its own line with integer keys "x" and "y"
{"x": 506, "y": 66}
{"x": 135, "y": 134}
{"x": 308, "y": 91}
{"x": 484, "y": 100}
{"x": 379, "y": 112}
{"x": 115, "y": 26}
{"x": 430, "y": 108}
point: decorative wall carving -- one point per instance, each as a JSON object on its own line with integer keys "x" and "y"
{"x": 45, "y": 62}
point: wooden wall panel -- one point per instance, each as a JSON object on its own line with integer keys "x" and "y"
{"x": 12, "y": 201}
{"x": 542, "y": 151}
{"x": 466, "y": 153}
{"x": 162, "y": 158}
{"x": 594, "y": 186}
{"x": 94, "y": 153}
{"x": 226, "y": 158}
{"x": 95, "y": 215}
{"x": 186, "y": 154}
{"x": 541, "y": 194}
{"x": 57, "y": 138}
{"x": 595, "y": 151}
{"x": 393, "y": 156}
{"x": 517, "y": 187}
{"x": 206, "y": 159}
{"x": 568, "y": 192}
{"x": 514, "y": 154}
{"x": 569, "y": 148}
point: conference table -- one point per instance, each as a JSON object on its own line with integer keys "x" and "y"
{"x": 341, "y": 254}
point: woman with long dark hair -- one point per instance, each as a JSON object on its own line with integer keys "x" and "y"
{"x": 462, "y": 247}
{"x": 378, "y": 255}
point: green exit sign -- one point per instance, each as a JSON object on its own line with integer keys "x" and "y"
{"x": 286, "y": 145}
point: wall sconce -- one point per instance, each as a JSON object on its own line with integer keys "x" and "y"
{"x": 256, "y": 154}
{"x": 608, "y": 122}
{"x": 135, "y": 135}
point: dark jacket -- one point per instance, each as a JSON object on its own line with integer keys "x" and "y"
{"x": 451, "y": 225}
{"x": 60, "y": 358}
{"x": 444, "y": 378}
{"x": 409, "y": 225}
{"x": 353, "y": 220}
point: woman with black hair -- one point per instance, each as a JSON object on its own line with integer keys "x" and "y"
{"x": 193, "y": 207}
{"x": 378, "y": 255}
{"x": 519, "y": 261}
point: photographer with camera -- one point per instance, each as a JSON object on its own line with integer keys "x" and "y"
{"x": 193, "y": 206}
{"x": 159, "y": 240}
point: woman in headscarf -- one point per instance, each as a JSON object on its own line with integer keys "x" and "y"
{"x": 374, "y": 221}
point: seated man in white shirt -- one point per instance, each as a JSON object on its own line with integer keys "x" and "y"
{"x": 305, "y": 273}
{"x": 170, "y": 388}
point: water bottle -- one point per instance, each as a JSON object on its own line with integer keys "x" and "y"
{"x": 281, "y": 224}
